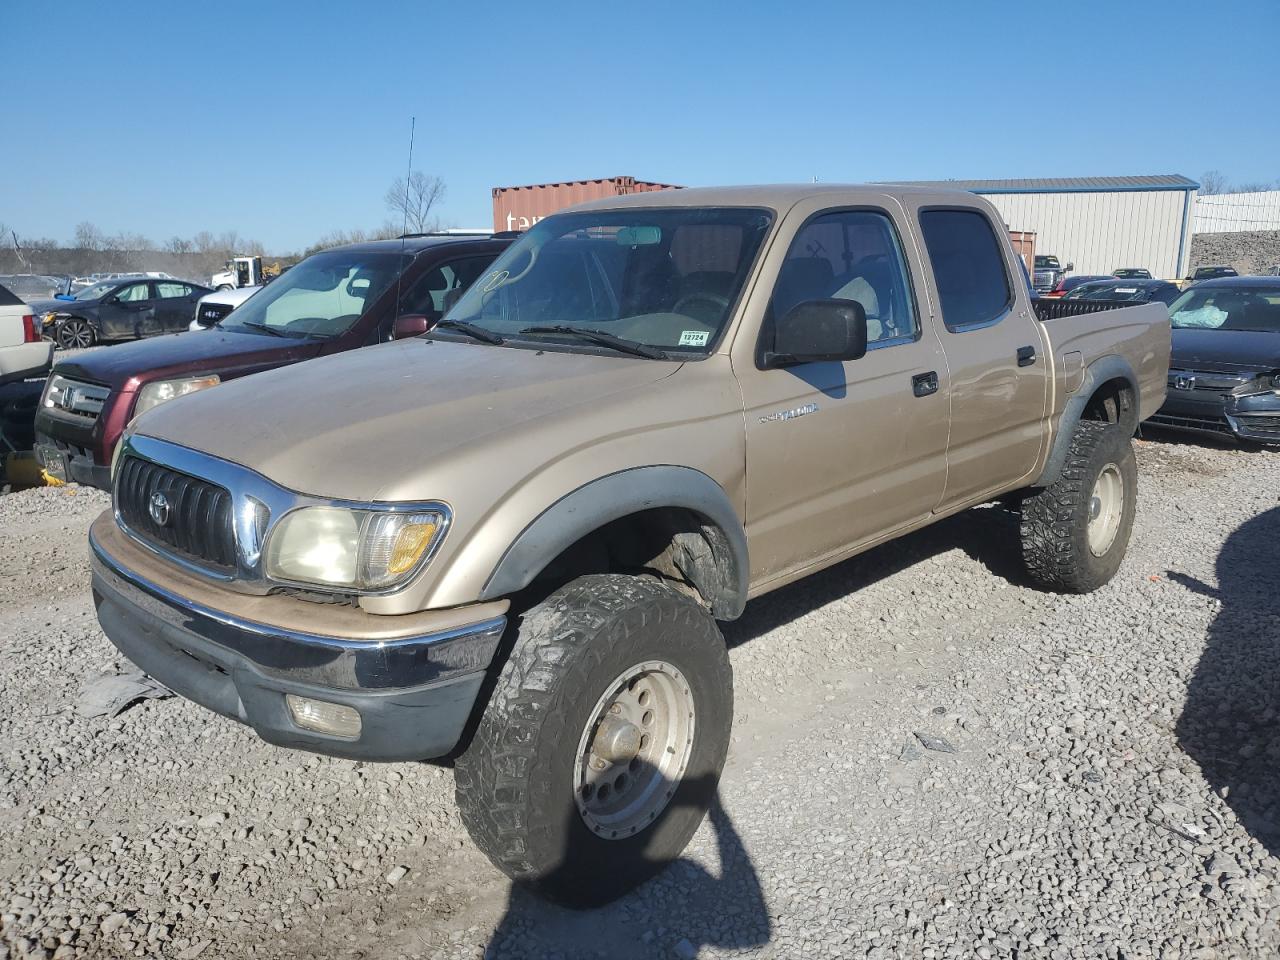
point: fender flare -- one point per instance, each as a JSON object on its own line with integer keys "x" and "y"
{"x": 1111, "y": 367}
{"x": 620, "y": 494}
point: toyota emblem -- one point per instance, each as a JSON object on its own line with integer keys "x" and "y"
{"x": 158, "y": 508}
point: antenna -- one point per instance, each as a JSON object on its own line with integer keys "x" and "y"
{"x": 404, "y": 226}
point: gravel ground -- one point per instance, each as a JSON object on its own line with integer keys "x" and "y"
{"x": 931, "y": 759}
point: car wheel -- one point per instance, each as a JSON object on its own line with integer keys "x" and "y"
{"x": 602, "y": 744}
{"x": 75, "y": 334}
{"x": 1075, "y": 531}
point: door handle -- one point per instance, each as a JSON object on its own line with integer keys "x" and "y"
{"x": 1026, "y": 356}
{"x": 923, "y": 384}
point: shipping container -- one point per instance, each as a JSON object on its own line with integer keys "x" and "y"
{"x": 519, "y": 208}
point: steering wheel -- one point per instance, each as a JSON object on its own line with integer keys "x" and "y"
{"x": 718, "y": 303}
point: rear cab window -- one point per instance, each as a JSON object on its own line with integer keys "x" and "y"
{"x": 968, "y": 268}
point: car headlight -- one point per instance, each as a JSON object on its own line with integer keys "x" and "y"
{"x": 162, "y": 391}
{"x": 365, "y": 550}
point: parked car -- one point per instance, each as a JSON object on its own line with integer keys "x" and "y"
{"x": 1224, "y": 377}
{"x": 330, "y": 303}
{"x": 1067, "y": 284}
{"x": 646, "y": 410}
{"x": 1132, "y": 273}
{"x": 23, "y": 354}
{"x": 1210, "y": 273}
{"x": 1049, "y": 272}
{"x": 213, "y": 308}
{"x": 1139, "y": 291}
{"x": 121, "y": 309}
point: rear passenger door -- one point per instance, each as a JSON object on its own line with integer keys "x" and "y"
{"x": 995, "y": 353}
{"x": 175, "y": 305}
{"x": 842, "y": 453}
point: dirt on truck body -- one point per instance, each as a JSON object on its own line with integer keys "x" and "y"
{"x": 508, "y": 543}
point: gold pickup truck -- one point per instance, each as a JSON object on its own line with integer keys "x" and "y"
{"x": 507, "y": 543}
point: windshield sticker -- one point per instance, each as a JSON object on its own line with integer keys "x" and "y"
{"x": 694, "y": 338}
{"x": 1126, "y": 289}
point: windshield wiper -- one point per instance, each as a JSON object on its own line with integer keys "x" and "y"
{"x": 471, "y": 330}
{"x": 601, "y": 338}
{"x": 263, "y": 327}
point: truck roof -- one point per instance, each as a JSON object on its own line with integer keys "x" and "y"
{"x": 775, "y": 196}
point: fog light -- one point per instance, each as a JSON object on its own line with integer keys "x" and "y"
{"x": 335, "y": 719}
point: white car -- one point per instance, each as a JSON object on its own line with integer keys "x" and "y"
{"x": 212, "y": 307}
{"x": 23, "y": 354}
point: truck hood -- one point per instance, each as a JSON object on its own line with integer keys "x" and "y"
{"x": 186, "y": 354}
{"x": 351, "y": 425}
{"x": 1225, "y": 350}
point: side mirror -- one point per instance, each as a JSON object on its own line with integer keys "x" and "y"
{"x": 411, "y": 325}
{"x": 819, "y": 330}
{"x": 1069, "y": 266}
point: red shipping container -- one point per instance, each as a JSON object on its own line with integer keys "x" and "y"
{"x": 519, "y": 208}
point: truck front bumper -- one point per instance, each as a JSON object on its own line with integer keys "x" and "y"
{"x": 1253, "y": 417}
{"x": 413, "y": 695}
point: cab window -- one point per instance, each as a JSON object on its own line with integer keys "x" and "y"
{"x": 171, "y": 291}
{"x": 133, "y": 293}
{"x": 968, "y": 267}
{"x": 849, "y": 255}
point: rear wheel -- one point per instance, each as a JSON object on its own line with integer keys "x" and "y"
{"x": 602, "y": 744}
{"x": 75, "y": 334}
{"x": 1075, "y": 531}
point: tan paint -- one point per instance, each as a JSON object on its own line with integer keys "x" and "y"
{"x": 502, "y": 434}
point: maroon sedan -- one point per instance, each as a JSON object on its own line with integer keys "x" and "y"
{"x": 331, "y": 302}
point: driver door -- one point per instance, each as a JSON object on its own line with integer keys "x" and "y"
{"x": 129, "y": 312}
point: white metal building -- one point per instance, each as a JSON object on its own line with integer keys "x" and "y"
{"x": 1100, "y": 223}
{"x": 1237, "y": 212}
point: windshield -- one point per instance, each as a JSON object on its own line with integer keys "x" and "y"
{"x": 323, "y": 296}
{"x": 1228, "y": 308}
{"x": 1047, "y": 263}
{"x": 97, "y": 290}
{"x": 665, "y": 278}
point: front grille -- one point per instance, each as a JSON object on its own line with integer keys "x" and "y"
{"x": 1197, "y": 381}
{"x": 198, "y": 524}
{"x": 1259, "y": 425}
{"x": 74, "y": 397}
{"x": 1191, "y": 422}
{"x": 211, "y": 313}
{"x": 1044, "y": 280}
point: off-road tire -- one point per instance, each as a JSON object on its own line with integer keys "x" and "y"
{"x": 1055, "y": 520}
{"x": 515, "y": 781}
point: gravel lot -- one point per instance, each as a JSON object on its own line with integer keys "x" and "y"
{"x": 931, "y": 760}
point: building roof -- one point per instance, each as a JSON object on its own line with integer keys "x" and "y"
{"x": 1163, "y": 181}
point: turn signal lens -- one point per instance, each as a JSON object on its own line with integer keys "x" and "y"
{"x": 410, "y": 543}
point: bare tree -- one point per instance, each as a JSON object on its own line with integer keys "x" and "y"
{"x": 413, "y": 200}
{"x": 89, "y": 237}
{"x": 179, "y": 245}
{"x": 1251, "y": 186}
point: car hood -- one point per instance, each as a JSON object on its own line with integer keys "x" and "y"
{"x": 361, "y": 425}
{"x": 58, "y": 306}
{"x": 186, "y": 354}
{"x": 1225, "y": 350}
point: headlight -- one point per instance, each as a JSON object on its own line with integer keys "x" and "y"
{"x": 162, "y": 391}
{"x": 369, "y": 551}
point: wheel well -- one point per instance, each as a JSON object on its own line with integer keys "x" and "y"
{"x": 1113, "y": 401}
{"x": 677, "y": 545}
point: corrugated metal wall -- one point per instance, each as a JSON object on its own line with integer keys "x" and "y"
{"x": 1237, "y": 212}
{"x": 1101, "y": 231}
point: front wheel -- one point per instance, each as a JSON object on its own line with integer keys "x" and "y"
{"x": 1075, "y": 531}
{"x": 75, "y": 334}
{"x": 602, "y": 744}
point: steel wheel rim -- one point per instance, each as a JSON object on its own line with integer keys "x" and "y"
{"x": 634, "y": 750}
{"x": 1106, "y": 507}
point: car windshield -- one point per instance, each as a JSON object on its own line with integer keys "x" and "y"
{"x": 664, "y": 278}
{"x": 97, "y": 290}
{"x": 323, "y": 296}
{"x": 1228, "y": 308}
{"x": 1131, "y": 273}
{"x": 1107, "y": 291}
{"x": 1047, "y": 263}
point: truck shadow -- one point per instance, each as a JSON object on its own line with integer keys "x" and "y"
{"x": 1230, "y": 725}
{"x": 987, "y": 534}
{"x": 684, "y": 908}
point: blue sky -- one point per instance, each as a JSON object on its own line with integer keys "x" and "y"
{"x": 284, "y": 121}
